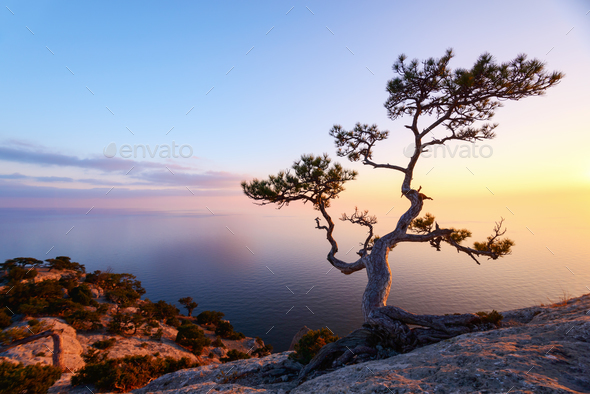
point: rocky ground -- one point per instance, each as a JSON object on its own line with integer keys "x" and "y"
{"x": 541, "y": 349}
{"x": 77, "y": 342}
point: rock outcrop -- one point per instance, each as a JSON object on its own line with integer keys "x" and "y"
{"x": 40, "y": 351}
{"x": 539, "y": 350}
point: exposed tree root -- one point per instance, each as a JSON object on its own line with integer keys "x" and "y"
{"x": 387, "y": 327}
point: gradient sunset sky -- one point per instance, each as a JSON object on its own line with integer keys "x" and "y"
{"x": 252, "y": 86}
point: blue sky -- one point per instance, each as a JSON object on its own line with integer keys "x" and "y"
{"x": 296, "y": 69}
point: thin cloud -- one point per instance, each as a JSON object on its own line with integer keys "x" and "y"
{"x": 57, "y": 159}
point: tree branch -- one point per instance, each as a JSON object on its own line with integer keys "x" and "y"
{"x": 363, "y": 219}
{"x": 345, "y": 268}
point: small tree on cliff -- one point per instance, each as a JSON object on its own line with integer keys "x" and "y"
{"x": 189, "y": 304}
{"x": 430, "y": 94}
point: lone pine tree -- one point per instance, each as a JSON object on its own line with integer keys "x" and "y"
{"x": 460, "y": 102}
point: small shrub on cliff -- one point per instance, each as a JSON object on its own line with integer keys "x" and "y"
{"x": 193, "y": 338}
{"x": 33, "y": 322}
{"x": 30, "y": 379}
{"x": 174, "y": 322}
{"x": 81, "y": 294}
{"x": 493, "y": 317}
{"x": 123, "y": 323}
{"x": 157, "y": 336}
{"x": 226, "y": 331}
{"x": 128, "y": 373}
{"x": 84, "y": 320}
{"x": 265, "y": 350}
{"x": 64, "y": 263}
{"x": 218, "y": 343}
{"x": 94, "y": 356}
{"x": 209, "y": 317}
{"x": 234, "y": 355}
{"x": 104, "y": 344}
{"x": 16, "y": 274}
{"x": 4, "y": 320}
{"x": 311, "y": 343}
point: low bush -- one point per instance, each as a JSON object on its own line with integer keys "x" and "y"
{"x": 193, "y": 338}
{"x": 81, "y": 294}
{"x": 265, "y": 350}
{"x": 218, "y": 343}
{"x": 16, "y": 274}
{"x": 174, "y": 322}
{"x": 84, "y": 320}
{"x": 94, "y": 356}
{"x": 30, "y": 379}
{"x": 64, "y": 263}
{"x": 226, "y": 331}
{"x": 209, "y": 317}
{"x": 104, "y": 344}
{"x": 5, "y": 320}
{"x": 493, "y": 317}
{"x": 125, "y": 323}
{"x": 128, "y": 373}
{"x": 311, "y": 343}
{"x": 234, "y": 355}
{"x": 157, "y": 336}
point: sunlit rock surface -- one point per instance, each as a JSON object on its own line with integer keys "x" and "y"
{"x": 542, "y": 349}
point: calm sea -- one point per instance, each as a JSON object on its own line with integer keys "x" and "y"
{"x": 268, "y": 274}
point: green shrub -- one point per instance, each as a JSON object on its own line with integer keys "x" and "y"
{"x": 226, "y": 331}
{"x": 122, "y": 289}
{"x": 153, "y": 324}
{"x": 218, "y": 343}
{"x": 193, "y": 338}
{"x": 157, "y": 336}
{"x": 33, "y": 322}
{"x": 5, "y": 320}
{"x": 16, "y": 274}
{"x": 234, "y": 355}
{"x": 209, "y": 317}
{"x": 68, "y": 282}
{"x": 101, "y": 309}
{"x": 493, "y": 317}
{"x": 173, "y": 321}
{"x": 64, "y": 263}
{"x": 84, "y": 320}
{"x": 123, "y": 323}
{"x": 81, "y": 294}
{"x": 104, "y": 344}
{"x": 128, "y": 373}
{"x": 21, "y": 262}
{"x": 311, "y": 343}
{"x": 265, "y": 350}
{"x": 30, "y": 379}
{"x": 94, "y": 356}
